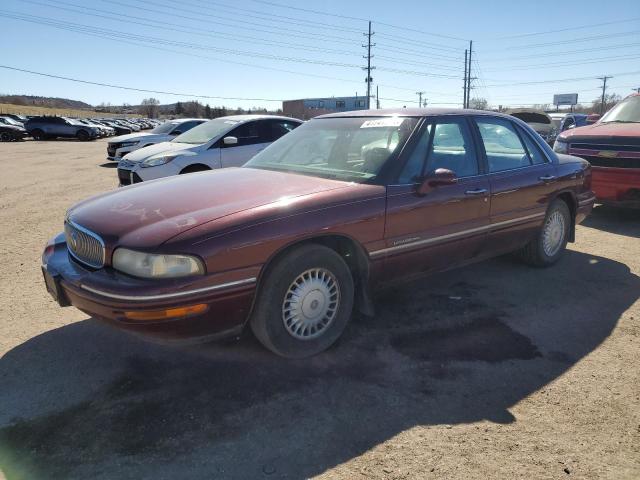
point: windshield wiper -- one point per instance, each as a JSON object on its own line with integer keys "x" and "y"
{"x": 622, "y": 121}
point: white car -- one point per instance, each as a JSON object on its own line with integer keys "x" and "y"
{"x": 219, "y": 143}
{"x": 118, "y": 147}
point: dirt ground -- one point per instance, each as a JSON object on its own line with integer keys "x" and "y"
{"x": 494, "y": 371}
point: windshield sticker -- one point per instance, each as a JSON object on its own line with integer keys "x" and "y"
{"x": 383, "y": 122}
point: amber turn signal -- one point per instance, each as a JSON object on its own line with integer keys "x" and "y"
{"x": 168, "y": 313}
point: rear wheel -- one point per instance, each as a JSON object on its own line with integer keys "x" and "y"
{"x": 304, "y": 303}
{"x": 82, "y": 135}
{"x": 550, "y": 243}
{"x": 5, "y": 137}
{"x": 38, "y": 134}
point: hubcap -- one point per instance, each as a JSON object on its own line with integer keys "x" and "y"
{"x": 310, "y": 304}
{"x": 553, "y": 233}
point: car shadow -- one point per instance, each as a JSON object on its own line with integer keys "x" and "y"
{"x": 86, "y": 401}
{"x": 109, "y": 165}
{"x": 621, "y": 221}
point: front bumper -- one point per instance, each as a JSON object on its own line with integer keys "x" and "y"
{"x": 106, "y": 294}
{"x": 617, "y": 186}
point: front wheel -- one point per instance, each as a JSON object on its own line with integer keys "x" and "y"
{"x": 5, "y": 137}
{"x": 304, "y": 302}
{"x": 83, "y": 136}
{"x": 550, "y": 243}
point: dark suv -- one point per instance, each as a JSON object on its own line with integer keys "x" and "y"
{"x": 47, "y": 128}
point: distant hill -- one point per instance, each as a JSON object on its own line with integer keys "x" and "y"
{"x": 49, "y": 102}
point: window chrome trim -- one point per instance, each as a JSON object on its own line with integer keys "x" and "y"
{"x": 221, "y": 286}
{"x": 430, "y": 241}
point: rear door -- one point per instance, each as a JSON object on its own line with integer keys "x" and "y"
{"x": 522, "y": 180}
{"x": 448, "y": 225}
{"x": 252, "y": 137}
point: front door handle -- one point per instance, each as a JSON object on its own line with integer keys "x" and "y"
{"x": 477, "y": 191}
{"x": 547, "y": 178}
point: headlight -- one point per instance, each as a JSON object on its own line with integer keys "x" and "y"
{"x": 129, "y": 144}
{"x": 560, "y": 146}
{"x": 157, "y": 160}
{"x": 149, "y": 265}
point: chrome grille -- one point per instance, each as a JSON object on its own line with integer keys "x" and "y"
{"x": 84, "y": 245}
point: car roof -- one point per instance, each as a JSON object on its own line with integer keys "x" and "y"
{"x": 246, "y": 117}
{"x": 412, "y": 112}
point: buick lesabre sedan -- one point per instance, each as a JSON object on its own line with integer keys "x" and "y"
{"x": 293, "y": 242}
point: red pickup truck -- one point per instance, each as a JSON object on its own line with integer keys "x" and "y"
{"x": 612, "y": 146}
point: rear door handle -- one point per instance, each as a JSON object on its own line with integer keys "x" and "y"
{"x": 477, "y": 191}
{"x": 547, "y": 178}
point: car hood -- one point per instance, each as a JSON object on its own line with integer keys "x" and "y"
{"x": 146, "y": 215}
{"x": 627, "y": 132}
{"x": 14, "y": 128}
{"x": 131, "y": 136}
{"x": 163, "y": 147}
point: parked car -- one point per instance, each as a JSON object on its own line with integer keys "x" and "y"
{"x": 223, "y": 142}
{"x": 118, "y": 129}
{"x": 10, "y": 132}
{"x": 612, "y": 146}
{"x": 18, "y": 118}
{"x": 538, "y": 120}
{"x": 46, "y": 128}
{"x": 104, "y": 130}
{"x": 120, "y": 146}
{"x": 301, "y": 235}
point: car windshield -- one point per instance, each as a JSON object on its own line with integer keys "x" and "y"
{"x": 349, "y": 149}
{"x": 206, "y": 131}
{"x": 165, "y": 127}
{"x": 9, "y": 121}
{"x": 627, "y": 111}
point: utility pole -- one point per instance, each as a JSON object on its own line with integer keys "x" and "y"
{"x": 469, "y": 74}
{"x": 464, "y": 84}
{"x": 637, "y": 90}
{"x": 368, "y": 68}
{"x": 604, "y": 91}
{"x": 377, "y": 98}
{"x": 420, "y": 98}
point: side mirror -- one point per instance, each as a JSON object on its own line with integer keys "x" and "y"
{"x": 438, "y": 178}
{"x": 230, "y": 140}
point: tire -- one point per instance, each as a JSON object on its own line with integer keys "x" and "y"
{"x": 5, "y": 137}
{"x": 194, "y": 168}
{"x": 38, "y": 134}
{"x": 83, "y": 135}
{"x": 325, "y": 285}
{"x": 540, "y": 254}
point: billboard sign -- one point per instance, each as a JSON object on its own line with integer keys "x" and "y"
{"x": 565, "y": 99}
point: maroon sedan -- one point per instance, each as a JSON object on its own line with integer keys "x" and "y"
{"x": 301, "y": 235}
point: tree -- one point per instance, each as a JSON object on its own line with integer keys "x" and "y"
{"x": 609, "y": 101}
{"x": 179, "y": 109}
{"x": 149, "y": 107}
{"x": 207, "y": 111}
{"x": 479, "y": 104}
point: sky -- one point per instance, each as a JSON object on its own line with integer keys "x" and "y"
{"x": 260, "y": 52}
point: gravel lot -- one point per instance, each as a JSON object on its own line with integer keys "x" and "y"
{"x": 493, "y": 371}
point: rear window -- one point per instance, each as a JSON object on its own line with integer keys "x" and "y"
{"x": 531, "y": 117}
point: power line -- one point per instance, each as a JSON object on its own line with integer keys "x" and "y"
{"x": 566, "y": 52}
{"x": 575, "y": 79}
{"x": 403, "y": 27}
{"x": 82, "y": 28}
{"x": 574, "y": 40}
{"x": 566, "y": 64}
{"x": 190, "y": 29}
{"x": 122, "y": 87}
{"x": 580, "y": 27}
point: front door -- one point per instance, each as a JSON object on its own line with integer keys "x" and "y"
{"x": 252, "y": 137}
{"x": 448, "y": 225}
{"x": 521, "y": 178}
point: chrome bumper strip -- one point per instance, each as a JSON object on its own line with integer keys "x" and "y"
{"x": 221, "y": 286}
{"x": 450, "y": 236}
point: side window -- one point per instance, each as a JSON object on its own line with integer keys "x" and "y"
{"x": 248, "y": 134}
{"x": 413, "y": 170}
{"x": 535, "y": 153}
{"x": 452, "y": 148}
{"x": 502, "y": 145}
{"x": 183, "y": 127}
{"x": 278, "y": 128}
